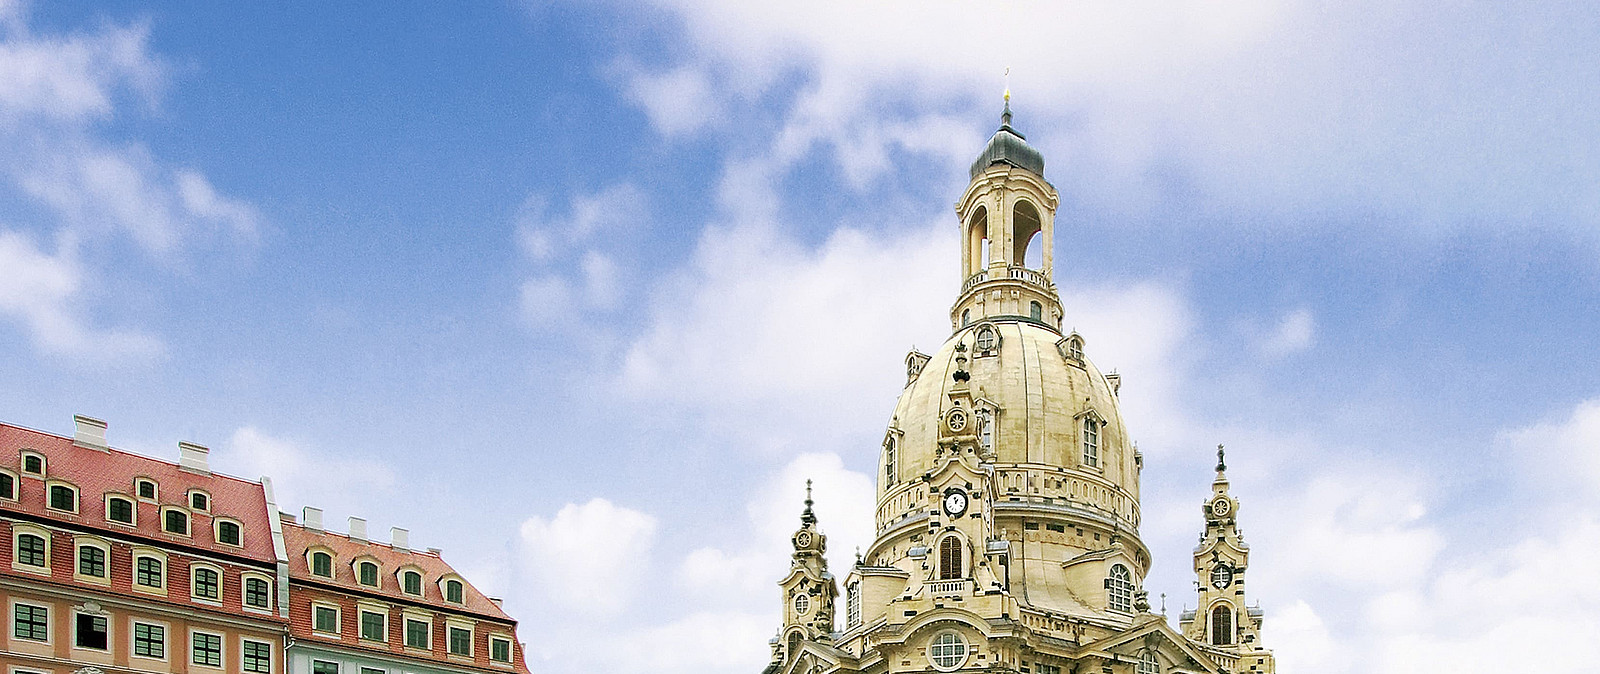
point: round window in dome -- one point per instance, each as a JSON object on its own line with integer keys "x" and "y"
{"x": 986, "y": 339}
{"x": 802, "y": 603}
{"x": 947, "y": 651}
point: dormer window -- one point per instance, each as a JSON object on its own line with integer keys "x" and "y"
{"x": 8, "y": 486}
{"x": 145, "y": 489}
{"x": 199, "y": 500}
{"x": 228, "y": 532}
{"x": 1119, "y": 589}
{"x": 119, "y": 509}
{"x": 175, "y": 521}
{"x": 321, "y": 564}
{"x": 64, "y": 498}
{"x": 1075, "y": 347}
{"x": 32, "y": 464}
{"x": 889, "y": 467}
{"x": 411, "y": 582}
{"x": 453, "y": 591}
{"x": 987, "y": 339}
{"x": 367, "y": 573}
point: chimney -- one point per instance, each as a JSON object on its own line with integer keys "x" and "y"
{"x": 287, "y": 518}
{"x": 192, "y": 457}
{"x": 90, "y": 433}
{"x": 312, "y": 517}
{"x": 358, "y": 529}
{"x": 498, "y": 601}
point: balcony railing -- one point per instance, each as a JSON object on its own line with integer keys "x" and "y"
{"x": 1024, "y": 274}
{"x": 949, "y": 588}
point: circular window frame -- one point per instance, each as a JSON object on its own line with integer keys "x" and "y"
{"x": 956, "y": 420}
{"x": 934, "y": 642}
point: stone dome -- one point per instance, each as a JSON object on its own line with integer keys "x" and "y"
{"x": 1038, "y": 389}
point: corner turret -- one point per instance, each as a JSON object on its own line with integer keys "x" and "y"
{"x": 1221, "y": 620}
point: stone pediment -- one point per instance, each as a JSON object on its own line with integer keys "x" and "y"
{"x": 1153, "y": 633}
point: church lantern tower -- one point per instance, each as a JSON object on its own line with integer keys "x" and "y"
{"x": 1007, "y": 519}
{"x": 1221, "y": 620}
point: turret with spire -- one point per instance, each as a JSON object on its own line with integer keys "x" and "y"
{"x": 809, "y": 590}
{"x": 1221, "y": 619}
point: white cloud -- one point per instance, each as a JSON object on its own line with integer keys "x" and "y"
{"x": 679, "y": 101}
{"x": 590, "y": 557}
{"x": 1295, "y": 332}
{"x": 303, "y": 476}
{"x": 43, "y": 291}
{"x": 71, "y": 78}
{"x": 573, "y": 253}
{"x": 1563, "y": 455}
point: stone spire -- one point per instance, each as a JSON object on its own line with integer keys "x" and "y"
{"x": 1222, "y": 620}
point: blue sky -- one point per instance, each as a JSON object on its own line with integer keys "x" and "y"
{"x": 583, "y": 292}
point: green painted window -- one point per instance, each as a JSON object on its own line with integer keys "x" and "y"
{"x": 149, "y": 641}
{"x": 500, "y": 650}
{"x": 256, "y": 593}
{"x": 177, "y": 522}
{"x": 372, "y": 627}
{"x": 30, "y": 550}
{"x": 413, "y": 582}
{"x": 368, "y": 573}
{"x": 324, "y": 667}
{"x": 199, "y": 501}
{"x": 460, "y": 641}
{"x": 228, "y": 533}
{"x": 325, "y": 619}
{"x": 207, "y": 650}
{"x": 206, "y": 584}
{"x": 33, "y": 464}
{"x": 8, "y": 486}
{"x": 120, "y": 510}
{"x": 147, "y": 489}
{"x": 31, "y": 623}
{"x": 91, "y": 561}
{"x": 452, "y": 591}
{"x": 257, "y": 656}
{"x": 147, "y": 572}
{"x": 416, "y": 634}
{"x": 63, "y": 498}
{"x": 322, "y": 564}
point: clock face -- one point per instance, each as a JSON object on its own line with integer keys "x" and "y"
{"x": 1221, "y": 577}
{"x": 803, "y": 539}
{"x": 955, "y": 503}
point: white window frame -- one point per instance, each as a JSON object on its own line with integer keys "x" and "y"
{"x": 937, "y": 643}
{"x": 361, "y": 634}
{"x": 77, "y": 496}
{"x": 216, "y": 531}
{"x": 16, "y": 485}
{"x": 153, "y": 483}
{"x": 244, "y": 580}
{"x": 222, "y": 649}
{"x": 852, "y": 605}
{"x": 79, "y": 542}
{"x": 134, "y": 500}
{"x": 166, "y": 639}
{"x": 511, "y": 652}
{"x": 22, "y": 462}
{"x": 11, "y": 622}
{"x": 271, "y": 657}
{"x": 188, "y": 500}
{"x": 472, "y": 637}
{"x": 17, "y": 531}
{"x": 194, "y": 578}
{"x": 338, "y": 620}
{"x": 422, "y": 580}
{"x": 311, "y": 564}
{"x": 407, "y": 616}
{"x": 188, "y": 521}
{"x": 1119, "y": 591}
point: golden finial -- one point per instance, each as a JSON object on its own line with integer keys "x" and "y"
{"x": 1008, "y": 84}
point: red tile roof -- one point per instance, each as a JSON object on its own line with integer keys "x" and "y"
{"x": 298, "y": 539}
{"x": 96, "y": 472}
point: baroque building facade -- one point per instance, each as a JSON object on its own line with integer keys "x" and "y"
{"x": 117, "y": 563}
{"x": 1007, "y": 523}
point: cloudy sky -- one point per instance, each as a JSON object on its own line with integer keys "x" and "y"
{"x": 583, "y": 292}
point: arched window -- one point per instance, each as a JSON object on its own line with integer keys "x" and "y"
{"x": 966, "y": 317}
{"x": 411, "y": 582}
{"x": 1148, "y": 664}
{"x": 950, "y": 558}
{"x": 889, "y": 468}
{"x": 147, "y": 572}
{"x": 207, "y": 583}
{"x": 985, "y": 430}
{"x": 1119, "y": 589}
{"x": 1075, "y": 348}
{"x": 1091, "y": 441}
{"x": 1036, "y": 311}
{"x": 175, "y": 521}
{"x": 452, "y": 591}
{"x": 1025, "y": 227}
{"x": 852, "y": 604}
{"x": 794, "y": 645}
{"x": 367, "y": 574}
{"x": 1222, "y": 626}
{"x": 322, "y": 564}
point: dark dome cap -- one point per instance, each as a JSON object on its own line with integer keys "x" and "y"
{"x": 1010, "y": 147}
